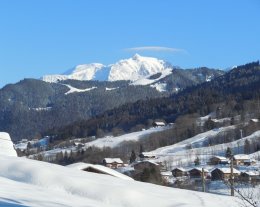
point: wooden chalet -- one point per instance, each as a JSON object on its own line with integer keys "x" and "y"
{"x": 242, "y": 159}
{"x": 218, "y": 160}
{"x": 140, "y": 166}
{"x": 179, "y": 172}
{"x": 250, "y": 176}
{"x": 197, "y": 173}
{"x": 113, "y": 162}
{"x": 223, "y": 173}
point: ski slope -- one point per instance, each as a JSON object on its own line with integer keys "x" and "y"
{"x": 26, "y": 182}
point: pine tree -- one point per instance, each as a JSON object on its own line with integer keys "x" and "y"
{"x": 132, "y": 157}
{"x": 197, "y": 161}
{"x": 228, "y": 152}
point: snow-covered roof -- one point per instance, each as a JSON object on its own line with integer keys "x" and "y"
{"x": 199, "y": 169}
{"x": 227, "y": 170}
{"x": 6, "y": 145}
{"x": 144, "y": 161}
{"x": 255, "y": 120}
{"x": 241, "y": 157}
{"x": 101, "y": 168}
{"x": 221, "y": 158}
{"x": 252, "y": 173}
{"x": 159, "y": 123}
{"x": 180, "y": 168}
{"x": 112, "y": 160}
{"x": 148, "y": 154}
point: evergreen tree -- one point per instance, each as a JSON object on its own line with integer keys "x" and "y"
{"x": 228, "y": 152}
{"x": 247, "y": 147}
{"x": 197, "y": 161}
{"x": 132, "y": 157}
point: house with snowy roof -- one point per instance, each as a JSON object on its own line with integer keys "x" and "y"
{"x": 242, "y": 159}
{"x": 218, "y": 160}
{"x": 179, "y": 172}
{"x": 141, "y": 165}
{"x": 158, "y": 124}
{"x": 252, "y": 175}
{"x": 197, "y": 172}
{"x": 223, "y": 173}
{"x": 113, "y": 162}
{"x": 147, "y": 155}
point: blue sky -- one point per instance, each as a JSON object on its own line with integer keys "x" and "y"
{"x": 51, "y": 36}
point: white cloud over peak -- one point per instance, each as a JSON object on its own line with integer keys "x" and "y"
{"x": 156, "y": 49}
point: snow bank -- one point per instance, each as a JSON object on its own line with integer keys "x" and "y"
{"x": 100, "y": 168}
{"x": 33, "y": 183}
{"x": 6, "y": 145}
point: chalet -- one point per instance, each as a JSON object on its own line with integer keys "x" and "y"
{"x": 147, "y": 156}
{"x": 197, "y": 172}
{"x": 158, "y": 124}
{"x": 140, "y": 166}
{"x": 100, "y": 169}
{"x": 250, "y": 176}
{"x": 179, "y": 172}
{"x": 218, "y": 160}
{"x": 242, "y": 159}
{"x": 223, "y": 173}
{"x": 113, "y": 162}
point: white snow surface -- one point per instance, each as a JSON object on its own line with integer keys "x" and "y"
{"x": 194, "y": 142}
{"x": 76, "y": 90}
{"x": 27, "y": 182}
{"x": 116, "y": 141}
{"x": 178, "y": 154}
{"x": 80, "y": 72}
{"x": 101, "y": 168}
{"x": 6, "y": 145}
{"x": 133, "y": 69}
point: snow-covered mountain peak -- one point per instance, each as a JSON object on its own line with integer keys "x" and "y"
{"x": 136, "y": 57}
{"x": 132, "y": 69}
{"x": 135, "y": 68}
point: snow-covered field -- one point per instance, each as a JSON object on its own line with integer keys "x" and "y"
{"x": 193, "y": 142}
{"x": 180, "y": 154}
{"x": 116, "y": 141}
{"x": 27, "y": 182}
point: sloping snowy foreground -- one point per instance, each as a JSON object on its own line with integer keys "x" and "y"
{"x": 27, "y": 182}
{"x": 6, "y": 145}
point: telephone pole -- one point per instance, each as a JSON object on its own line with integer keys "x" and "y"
{"x": 203, "y": 181}
{"x": 232, "y": 177}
